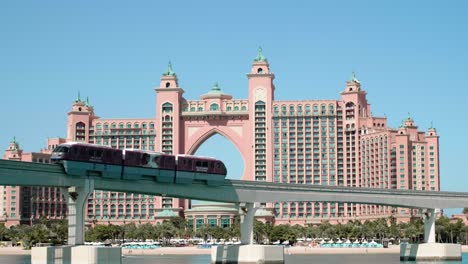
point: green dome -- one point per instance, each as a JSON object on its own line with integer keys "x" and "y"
{"x": 260, "y": 57}
{"x": 215, "y": 92}
{"x": 169, "y": 71}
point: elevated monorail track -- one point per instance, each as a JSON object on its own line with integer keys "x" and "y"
{"x": 235, "y": 191}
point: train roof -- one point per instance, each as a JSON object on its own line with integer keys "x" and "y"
{"x": 142, "y": 150}
{"x": 85, "y": 144}
{"x": 196, "y": 157}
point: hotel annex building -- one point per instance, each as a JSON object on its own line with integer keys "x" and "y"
{"x": 320, "y": 142}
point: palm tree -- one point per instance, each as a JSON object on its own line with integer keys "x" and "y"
{"x": 259, "y": 231}
{"x": 393, "y": 228}
{"x": 465, "y": 232}
{"x": 442, "y": 228}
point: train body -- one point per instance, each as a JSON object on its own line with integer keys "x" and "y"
{"x": 130, "y": 164}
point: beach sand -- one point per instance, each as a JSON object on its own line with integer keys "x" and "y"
{"x": 207, "y": 251}
{"x": 14, "y": 251}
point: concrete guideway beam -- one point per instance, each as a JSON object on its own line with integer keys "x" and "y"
{"x": 77, "y": 196}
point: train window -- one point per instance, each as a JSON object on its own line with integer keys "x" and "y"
{"x": 61, "y": 149}
{"x": 190, "y": 162}
{"x": 145, "y": 159}
{"x": 99, "y": 153}
{"x": 218, "y": 165}
{"x": 198, "y": 164}
{"x": 205, "y": 164}
{"x": 212, "y": 165}
{"x": 157, "y": 160}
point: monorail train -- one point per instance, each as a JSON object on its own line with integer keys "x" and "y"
{"x": 130, "y": 164}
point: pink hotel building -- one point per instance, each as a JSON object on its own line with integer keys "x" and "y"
{"x": 319, "y": 142}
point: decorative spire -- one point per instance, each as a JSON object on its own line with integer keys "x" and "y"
{"x": 216, "y": 87}
{"x": 260, "y": 57}
{"x": 402, "y": 124}
{"x": 431, "y": 127}
{"x": 169, "y": 71}
{"x": 15, "y": 143}
{"x": 78, "y": 99}
{"x": 353, "y": 77}
{"x": 87, "y": 102}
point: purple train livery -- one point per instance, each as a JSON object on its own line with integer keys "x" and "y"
{"x": 131, "y": 164}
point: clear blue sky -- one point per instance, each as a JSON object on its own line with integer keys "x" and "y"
{"x": 411, "y": 56}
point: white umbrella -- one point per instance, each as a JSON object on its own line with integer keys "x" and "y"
{"x": 339, "y": 241}
{"x": 286, "y": 242}
{"x": 356, "y": 242}
{"x": 347, "y": 242}
{"x": 322, "y": 242}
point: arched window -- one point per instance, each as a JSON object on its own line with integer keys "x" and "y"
{"x": 229, "y": 108}
{"x": 98, "y": 126}
{"x": 113, "y": 125}
{"x": 350, "y": 105}
{"x": 236, "y": 108}
{"x": 121, "y": 125}
{"x": 259, "y": 70}
{"x": 136, "y": 125}
{"x": 167, "y": 107}
{"x": 315, "y": 109}
{"x": 168, "y": 84}
{"x": 214, "y": 107}
{"x": 129, "y": 125}
{"x": 244, "y": 108}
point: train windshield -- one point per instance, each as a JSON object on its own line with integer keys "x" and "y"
{"x": 61, "y": 149}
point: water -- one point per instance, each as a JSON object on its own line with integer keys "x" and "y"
{"x": 290, "y": 259}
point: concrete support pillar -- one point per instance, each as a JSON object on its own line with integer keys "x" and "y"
{"x": 429, "y": 226}
{"x": 247, "y": 216}
{"x": 77, "y": 197}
